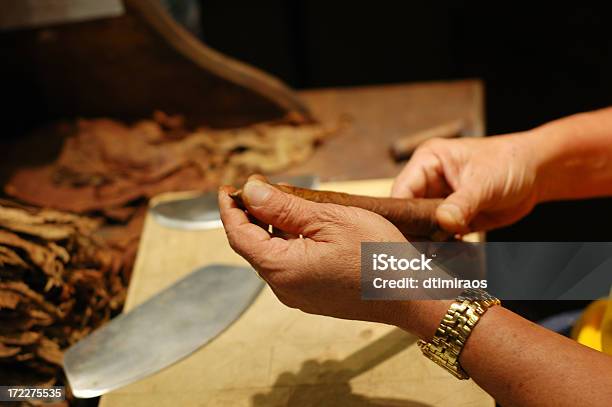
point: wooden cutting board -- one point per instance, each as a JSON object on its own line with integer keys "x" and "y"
{"x": 277, "y": 356}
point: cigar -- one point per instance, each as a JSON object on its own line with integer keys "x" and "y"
{"x": 415, "y": 218}
{"x": 403, "y": 147}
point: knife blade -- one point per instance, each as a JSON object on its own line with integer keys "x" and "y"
{"x": 161, "y": 331}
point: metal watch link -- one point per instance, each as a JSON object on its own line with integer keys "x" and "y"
{"x": 455, "y": 328}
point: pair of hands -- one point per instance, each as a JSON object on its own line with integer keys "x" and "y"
{"x": 487, "y": 183}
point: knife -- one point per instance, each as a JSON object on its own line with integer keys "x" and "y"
{"x": 161, "y": 331}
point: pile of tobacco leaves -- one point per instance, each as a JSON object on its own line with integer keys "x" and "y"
{"x": 58, "y": 282}
{"x": 69, "y": 231}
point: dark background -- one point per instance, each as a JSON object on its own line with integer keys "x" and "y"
{"x": 538, "y": 62}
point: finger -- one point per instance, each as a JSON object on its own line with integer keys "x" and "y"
{"x": 485, "y": 221}
{"x": 457, "y": 211}
{"x": 244, "y": 237}
{"x": 283, "y": 211}
{"x": 257, "y": 222}
{"x": 266, "y": 254}
{"x": 407, "y": 180}
{"x": 279, "y": 233}
{"x": 436, "y": 185}
{"x": 415, "y": 177}
{"x": 232, "y": 203}
{"x": 259, "y": 177}
{"x": 274, "y": 232}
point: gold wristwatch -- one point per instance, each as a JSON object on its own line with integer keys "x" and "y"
{"x": 455, "y": 328}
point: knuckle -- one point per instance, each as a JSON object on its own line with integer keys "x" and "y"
{"x": 434, "y": 144}
{"x": 287, "y": 210}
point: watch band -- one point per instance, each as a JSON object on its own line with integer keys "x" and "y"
{"x": 455, "y": 328}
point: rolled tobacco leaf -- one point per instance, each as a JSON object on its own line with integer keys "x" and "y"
{"x": 415, "y": 218}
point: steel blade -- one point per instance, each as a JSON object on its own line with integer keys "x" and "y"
{"x": 160, "y": 331}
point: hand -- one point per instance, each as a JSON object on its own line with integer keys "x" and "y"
{"x": 488, "y": 183}
{"x": 319, "y": 273}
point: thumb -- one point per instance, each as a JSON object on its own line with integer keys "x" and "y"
{"x": 457, "y": 211}
{"x": 286, "y": 212}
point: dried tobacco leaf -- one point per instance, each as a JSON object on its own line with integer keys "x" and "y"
{"x": 39, "y": 255}
{"x": 8, "y": 257}
{"x": 20, "y": 338}
{"x": 8, "y": 351}
{"x": 105, "y": 165}
{"x": 9, "y": 300}
{"x": 62, "y": 274}
{"x": 66, "y": 288}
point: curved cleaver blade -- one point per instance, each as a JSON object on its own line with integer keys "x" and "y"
{"x": 202, "y": 212}
{"x": 160, "y": 331}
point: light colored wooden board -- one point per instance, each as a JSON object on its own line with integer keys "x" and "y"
{"x": 276, "y": 356}
{"x": 378, "y": 116}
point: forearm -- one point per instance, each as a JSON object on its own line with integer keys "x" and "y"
{"x": 573, "y": 156}
{"x": 522, "y": 364}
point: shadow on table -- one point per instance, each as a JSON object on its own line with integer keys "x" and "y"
{"x": 327, "y": 383}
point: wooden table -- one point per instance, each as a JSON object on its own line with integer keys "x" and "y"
{"x": 274, "y": 356}
{"x": 380, "y": 114}
{"x": 346, "y": 362}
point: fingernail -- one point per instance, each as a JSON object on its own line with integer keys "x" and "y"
{"x": 452, "y": 213}
{"x": 257, "y": 193}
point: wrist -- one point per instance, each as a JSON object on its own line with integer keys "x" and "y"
{"x": 455, "y": 330}
{"x": 572, "y": 156}
{"x": 541, "y": 157}
{"x": 422, "y": 318}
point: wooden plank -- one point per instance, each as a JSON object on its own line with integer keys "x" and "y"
{"x": 277, "y": 356}
{"x": 378, "y": 115}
